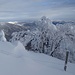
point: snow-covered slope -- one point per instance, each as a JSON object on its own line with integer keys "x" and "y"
{"x": 30, "y": 63}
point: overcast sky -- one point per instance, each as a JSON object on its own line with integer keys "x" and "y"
{"x": 30, "y": 9}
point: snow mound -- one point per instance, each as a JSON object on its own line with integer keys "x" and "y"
{"x": 6, "y": 47}
{"x": 19, "y": 50}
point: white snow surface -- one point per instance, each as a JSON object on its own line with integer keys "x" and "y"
{"x": 15, "y": 22}
{"x": 15, "y": 60}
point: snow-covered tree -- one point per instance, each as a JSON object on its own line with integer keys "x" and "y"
{"x": 2, "y": 36}
{"x": 22, "y": 36}
{"x": 50, "y": 39}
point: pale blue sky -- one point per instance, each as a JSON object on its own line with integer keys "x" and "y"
{"x": 28, "y": 9}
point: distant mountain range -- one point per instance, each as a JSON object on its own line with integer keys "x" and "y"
{"x": 10, "y": 27}
{"x": 62, "y": 22}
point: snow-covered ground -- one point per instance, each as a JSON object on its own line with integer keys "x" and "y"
{"x": 15, "y": 60}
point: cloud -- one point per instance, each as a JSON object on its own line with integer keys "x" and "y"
{"x": 54, "y": 9}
